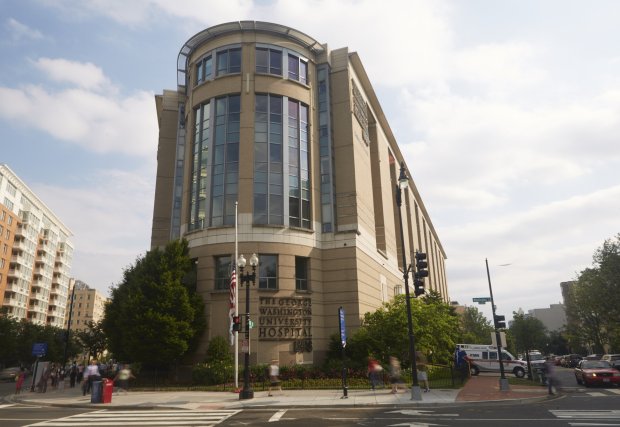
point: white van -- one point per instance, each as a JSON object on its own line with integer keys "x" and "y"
{"x": 483, "y": 358}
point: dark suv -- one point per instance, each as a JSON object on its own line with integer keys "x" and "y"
{"x": 571, "y": 360}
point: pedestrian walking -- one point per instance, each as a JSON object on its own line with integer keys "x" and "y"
{"x": 80, "y": 373}
{"x": 19, "y": 382}
{"x": 461, "y": 363}
{"x": 375, "y": 371}
{"x": 45, "y": 376}
{"x": 61, "y": 378}
{"x": 274, "y": 377}
{"x": 395, "y": 374}
{"x": 72, "y": 374}
{"x": 422, "y": 371}
{"x": 91, "y": 374}
{"x": 122, "y": 378}
{"x": 552, "y": 379}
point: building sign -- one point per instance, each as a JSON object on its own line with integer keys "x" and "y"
{"x": 360, "y": 111}
{"x": 285, "y": 319}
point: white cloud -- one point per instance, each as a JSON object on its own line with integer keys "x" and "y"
{"x": 84, "y": 75}
{"x": 19, "y": 31}
{"x": 503, "y": 67}
{"x": 92, "y": 121}
{"x": 109, "y": 213}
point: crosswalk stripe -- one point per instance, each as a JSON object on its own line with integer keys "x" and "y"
{"x": 141, "y": 418}
{"x": 612, "y": 414}
{"x": 596, "y": 394}
{"x": 615, "y": 391}
{"x": 7, "y": 405}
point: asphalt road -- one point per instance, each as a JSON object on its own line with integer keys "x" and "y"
{"x": 576, "y": 406}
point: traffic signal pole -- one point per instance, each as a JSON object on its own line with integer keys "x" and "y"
{"x": 503, "y": 382}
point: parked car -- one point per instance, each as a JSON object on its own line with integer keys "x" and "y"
{"x": 596, "y": 372}
{"x": 593, "y": 357}
{"x": 9, "y": 374}
{"x": 571, "y": 360}
{"x": 537, "y": 360}
{"x": 613, "y": 359}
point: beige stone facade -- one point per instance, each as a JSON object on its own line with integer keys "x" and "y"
{"x": 88, "y": 306}
{"x": 270, "y": 118}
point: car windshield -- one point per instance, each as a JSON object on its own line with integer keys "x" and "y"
{"x": 595, "y": 364}
{"x": 537, "y": 357}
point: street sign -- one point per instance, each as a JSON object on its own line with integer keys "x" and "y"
{"x": 39, "y": 349}
{"x": 251, "y": 324}
{"x": 343, "y": 331}
{"x": 482, "y": 300}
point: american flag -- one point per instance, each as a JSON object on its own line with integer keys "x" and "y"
{"x": 231, "y": 304}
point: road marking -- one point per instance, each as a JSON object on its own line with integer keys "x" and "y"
{"x": 7, "y": 405}
{"x": 422, "y": 413}
{"x": 415, "y": 424}
{"x": 277, "y": 416}
{"x": 142, "y": 418}
{"x": 612, "y": 414}
{"x": 596, "y": 394}
{"x": 614, "y": 391}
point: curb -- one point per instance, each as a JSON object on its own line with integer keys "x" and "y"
{"x": 283, "y": 405}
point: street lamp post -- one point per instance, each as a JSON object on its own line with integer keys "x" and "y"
{"x": 64, "y": 359}
{"x": 247, "y": 279}
{"x": 503, "y": 381}
{"x": 403, "y": 183}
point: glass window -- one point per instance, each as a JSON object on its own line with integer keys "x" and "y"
{"x": 198, "y": 194}
{"x": 268, "y": 180}
{"x": 297, "y": 69}
{"x": 268, "y": 61}
{"x": 301, "y": 273}
{"x": 228, "y": 61}
{"x": 299, "y": 165}
{"x": 204, "y": 69}
{"x": 225, "y": 170}
{"x": 223, "y": 269}
{"x": 268, "y": 271}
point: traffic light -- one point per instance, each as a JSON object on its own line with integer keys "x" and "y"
{"x": 421, "y": 265}
{"x": 418, "y": 287}
{"x": 236, "y": 327}
{"x": 500, "y": 321}
{"x": 420, "y": 273}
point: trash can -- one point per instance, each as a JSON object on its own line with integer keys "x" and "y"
{"x": 96, "y": 395}
{"x": 108, "y": 388}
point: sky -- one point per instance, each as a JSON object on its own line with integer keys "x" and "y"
{"x": 507, "y": 113}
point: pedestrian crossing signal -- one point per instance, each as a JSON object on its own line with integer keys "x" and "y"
{"x": 236, "y": 324}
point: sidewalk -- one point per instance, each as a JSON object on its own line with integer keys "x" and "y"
{"x": 477, "y": 389}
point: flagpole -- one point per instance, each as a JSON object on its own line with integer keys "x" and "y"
{"x": 236, "y": 297}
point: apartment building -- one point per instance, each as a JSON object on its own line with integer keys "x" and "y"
{"x": 271, "y": 129}
{"x": 35, "y": 255}
{"x": 88, "y": 306}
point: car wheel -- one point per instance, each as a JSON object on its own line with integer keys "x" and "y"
{"x": 519, "y": 372}
{"x": 474, "y": 371}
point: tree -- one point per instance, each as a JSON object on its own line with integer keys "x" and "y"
{"x": 93, "y": 338}
{"x": 17, "y": 338}
{"x": 435, "y": 329}
{"x": 475, "y": 327}
{"x": 155, "y": 315}
{"x": 593, "y": 304}
{"x": 528, "y": 333}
